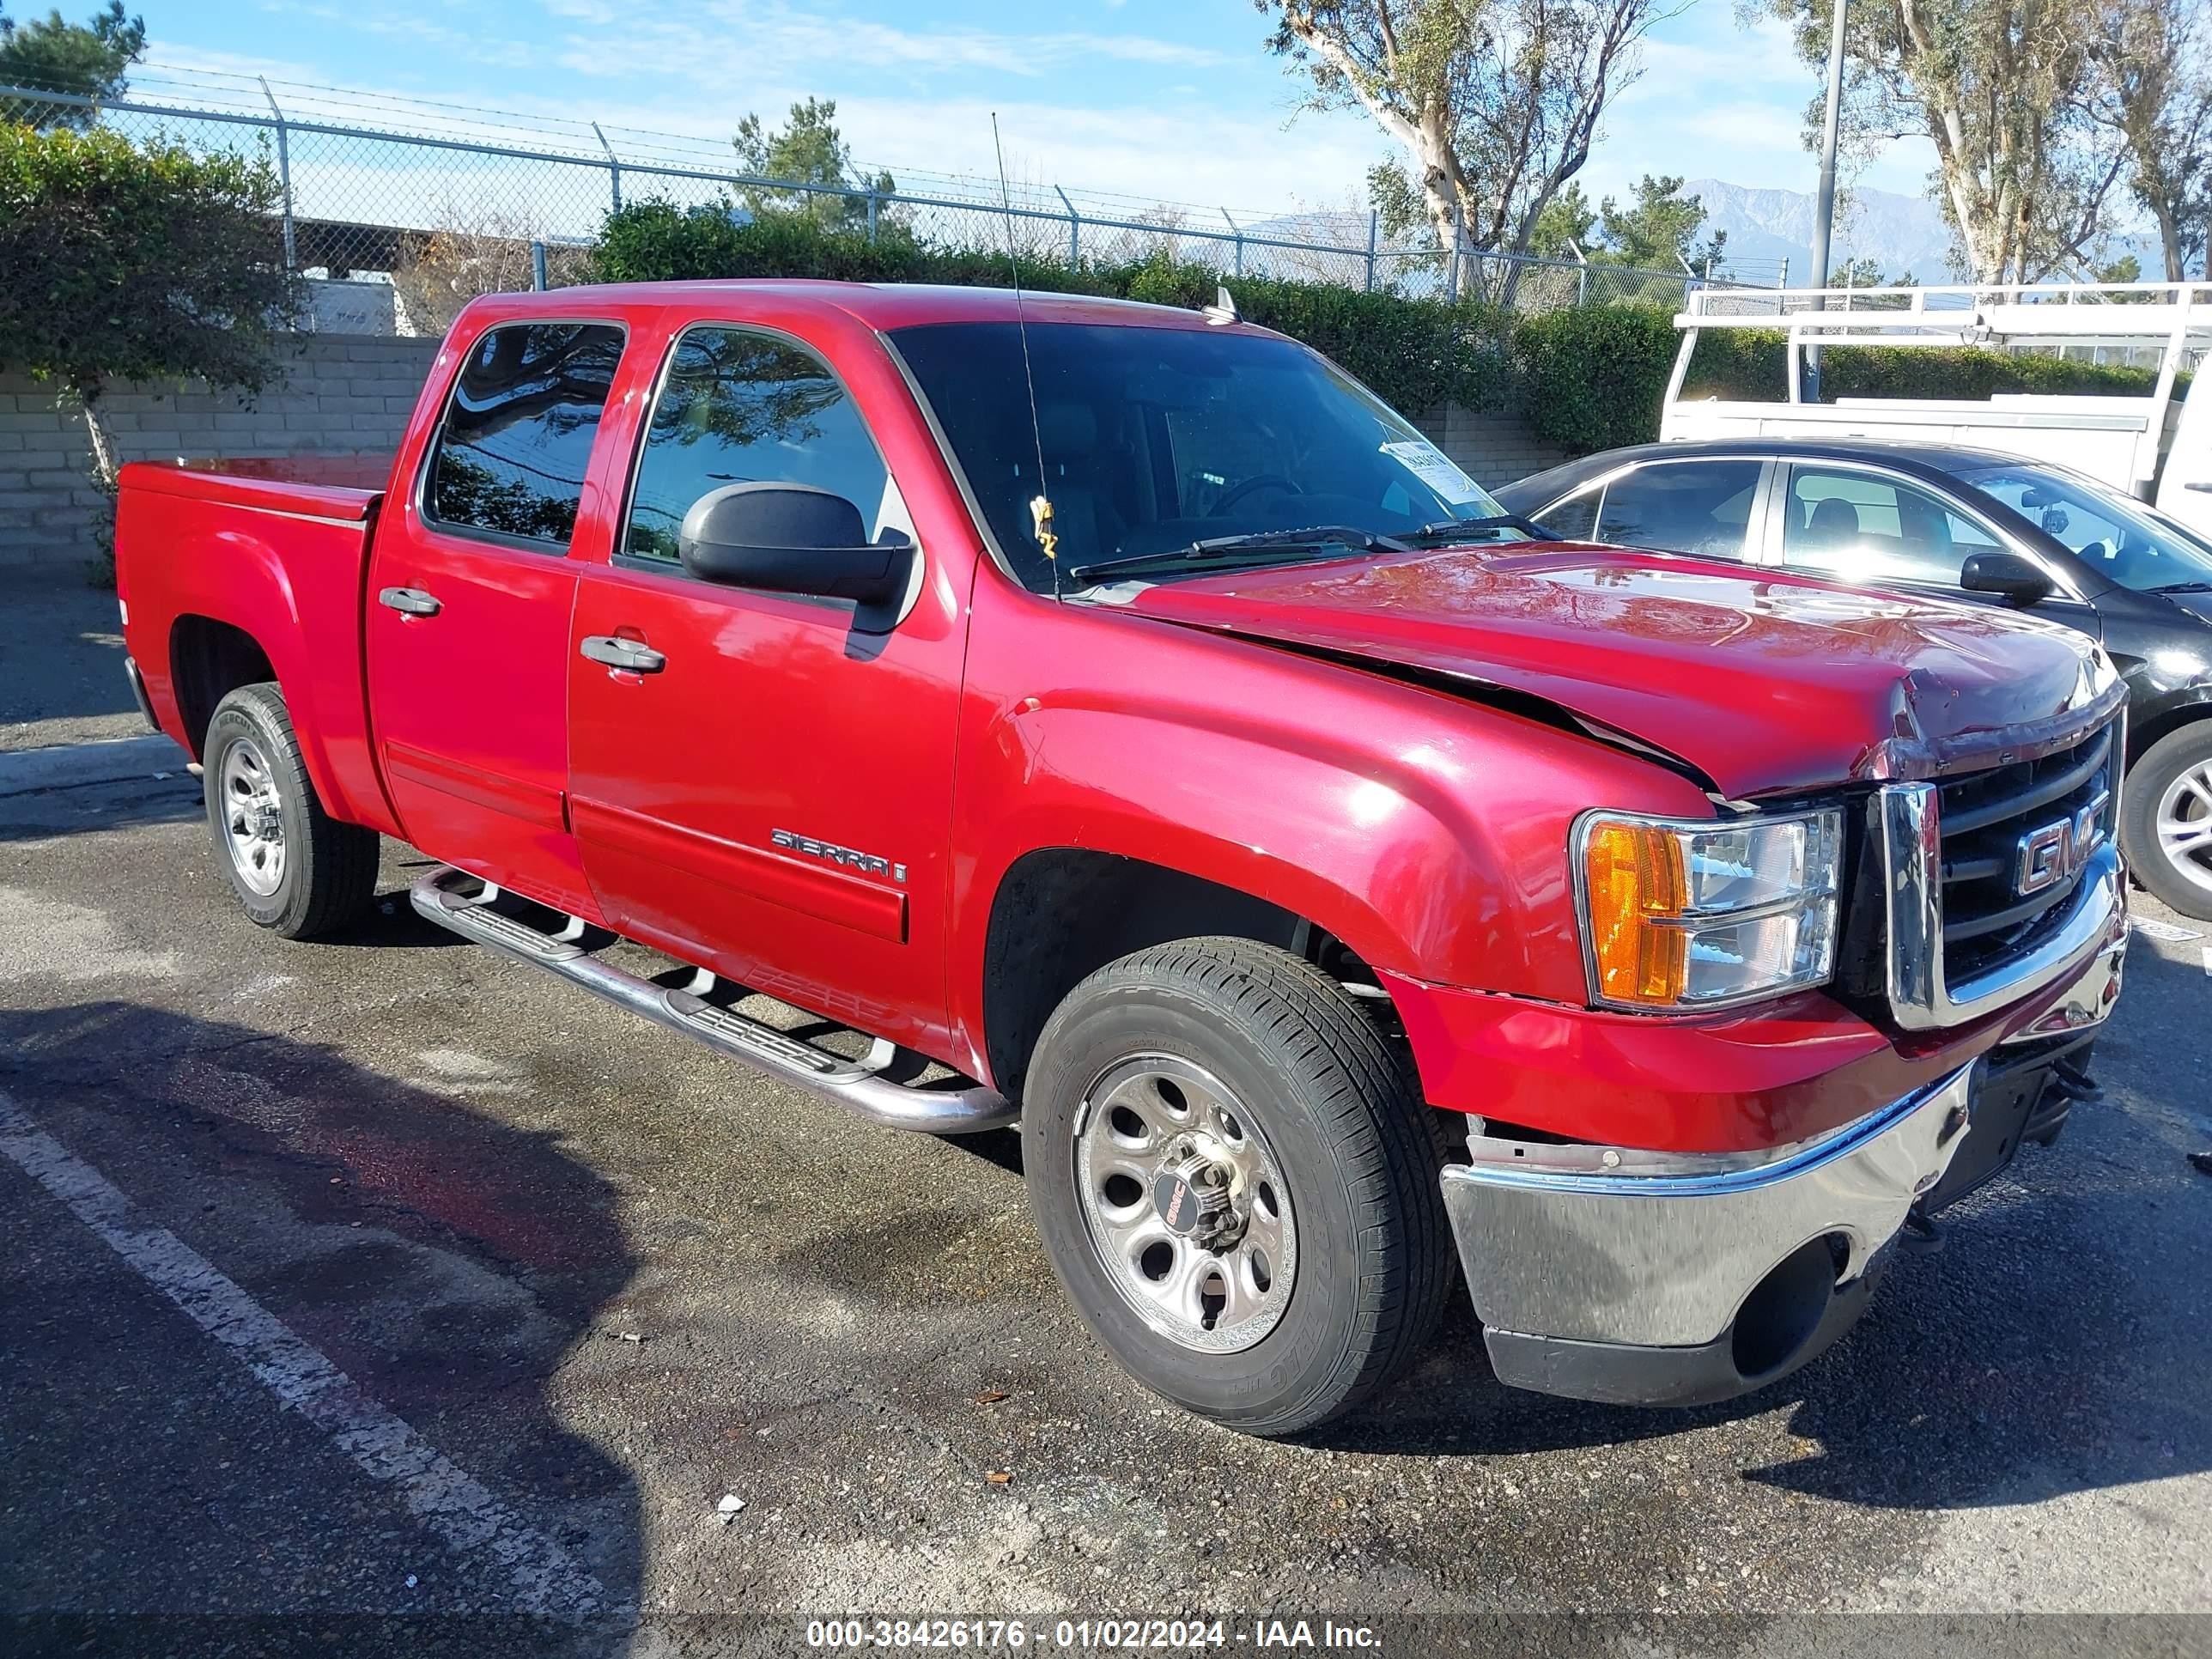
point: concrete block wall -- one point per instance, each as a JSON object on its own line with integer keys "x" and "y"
{"x": 1491, "y": 449}
{"x": 338, "y": 394}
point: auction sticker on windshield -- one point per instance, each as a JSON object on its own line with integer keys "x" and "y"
{"x": 1435, "y": 469}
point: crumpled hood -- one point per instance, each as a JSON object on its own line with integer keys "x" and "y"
{"x": 1762, "y": 681}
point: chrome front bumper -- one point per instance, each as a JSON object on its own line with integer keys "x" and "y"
{"x": 2087, "y": 1000}
{"x": 1613, "y": 1274}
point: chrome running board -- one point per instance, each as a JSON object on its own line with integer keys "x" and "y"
{"x": 855, "y": 1084}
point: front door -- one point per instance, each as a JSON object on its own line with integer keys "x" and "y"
{"x": 469, "y": 604}
{"x": 760, "y": 785}
{"x": 1873, "y": 529}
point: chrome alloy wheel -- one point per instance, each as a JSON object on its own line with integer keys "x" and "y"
{"x": 2184, "y": 826}
{"x": 1185, "y": 1204}
{"x": 252, "y": 818}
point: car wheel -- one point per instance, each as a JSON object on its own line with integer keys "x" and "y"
{"x": 1237, "y": 1183}
{"x": 296, "y": 870}
{"x": 2165, "y": 827}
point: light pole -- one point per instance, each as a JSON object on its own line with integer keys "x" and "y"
{"x": 1823, "y": 210}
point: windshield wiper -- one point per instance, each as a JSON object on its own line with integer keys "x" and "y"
{"x": 2184, "y": 587}
{"x": 1220, "y": 549}
{"x": 1447, "y": 529}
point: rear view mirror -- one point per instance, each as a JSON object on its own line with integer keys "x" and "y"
{"x": 791, "y": 538}
{"x": 2012, "y": 577}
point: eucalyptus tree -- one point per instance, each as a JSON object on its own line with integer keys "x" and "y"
{"x": 1494, "y": 103}
{"x": 2003, "y": 90}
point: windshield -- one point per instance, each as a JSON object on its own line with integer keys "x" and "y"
{"x": 1158, "y": 437}
{"x": 2124, "y": 540}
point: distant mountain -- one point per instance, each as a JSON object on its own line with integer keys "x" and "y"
{"x": 1900, "y": 233}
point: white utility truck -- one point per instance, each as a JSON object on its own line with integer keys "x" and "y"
{"x": 2157, "y": 447}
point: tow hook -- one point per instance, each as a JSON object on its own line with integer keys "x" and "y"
{"x": 2068, "y": 1079}
{"x": 1920, "y": 1234}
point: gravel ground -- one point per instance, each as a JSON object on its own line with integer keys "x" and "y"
{"x": 586, "y": 1279}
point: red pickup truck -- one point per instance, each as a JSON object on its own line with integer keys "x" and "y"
{"x": 1117, "y": 720}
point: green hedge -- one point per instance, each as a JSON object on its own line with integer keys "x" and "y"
{"x": 1749, "y": 363}
{"x": 1593, "y": 377}
{"x": 1586, "y": 379}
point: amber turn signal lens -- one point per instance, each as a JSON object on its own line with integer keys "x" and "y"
{"x": 1635, "y": 875}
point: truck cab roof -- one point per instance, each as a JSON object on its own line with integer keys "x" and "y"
{"x": 882, "y": 306}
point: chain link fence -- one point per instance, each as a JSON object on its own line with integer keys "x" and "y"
{"x": 416, "y": 207}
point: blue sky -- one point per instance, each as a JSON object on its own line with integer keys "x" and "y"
{"x": 1150, "y": 98}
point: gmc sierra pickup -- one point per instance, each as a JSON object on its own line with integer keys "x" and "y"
{"x": 1117, "y": 720}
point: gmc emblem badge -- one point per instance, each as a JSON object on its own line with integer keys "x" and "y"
{"x": 2057, "y": 851}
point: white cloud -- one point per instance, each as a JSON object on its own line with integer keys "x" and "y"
{"x": 1728, "y": 104}
{"x": 1758, "y": 56}
{"x": 1182, "y": 153}
{"x": 780, "y": 42}
{"x": 1180, "y": 149}
{"x": 1715, "y": 100}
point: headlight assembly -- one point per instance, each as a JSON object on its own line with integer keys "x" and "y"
{"x": 1687, "y": 913}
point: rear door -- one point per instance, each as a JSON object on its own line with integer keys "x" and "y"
{"x": 471, "y": 592}
{"x": 1706, "y": 506}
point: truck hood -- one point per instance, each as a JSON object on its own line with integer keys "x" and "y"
{"x": 1761, "y": 683}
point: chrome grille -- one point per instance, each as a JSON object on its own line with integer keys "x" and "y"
{"x": 2016, "y": 840}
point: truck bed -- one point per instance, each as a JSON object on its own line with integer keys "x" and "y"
{"x": 342, "y": 487}
{"x": 267, "y": 555}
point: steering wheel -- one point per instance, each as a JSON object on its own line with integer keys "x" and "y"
{"x": 1257, "y": 482}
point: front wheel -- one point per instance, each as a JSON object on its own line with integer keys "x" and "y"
{"x": 2165, "y": 828}
{"x": 297, "y": 871}
{"x": 1236, "y": 1184}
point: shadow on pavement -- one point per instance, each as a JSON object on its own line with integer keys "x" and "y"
{"x": 51, "y": 813}
{"x": 63, "y": 658}
{"x": 449, "y": 1263}
{"x": 2061, "y": 1341}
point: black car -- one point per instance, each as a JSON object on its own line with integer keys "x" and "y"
{"x": 1935, "y": 520}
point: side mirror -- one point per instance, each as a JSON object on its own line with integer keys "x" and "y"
{"x": 2014, "y": 579}
{"x": 791, "y": 538}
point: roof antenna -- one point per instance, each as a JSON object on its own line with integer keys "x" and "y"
{"x": 1041, "y": 508}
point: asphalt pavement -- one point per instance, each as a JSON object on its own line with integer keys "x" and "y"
{"x": 389, "y": 1291}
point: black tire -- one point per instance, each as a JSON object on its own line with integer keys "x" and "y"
{"x": 1358, "y": 1151}
{"x": 2148, "y": 780}
{"x": 327, "y": 879}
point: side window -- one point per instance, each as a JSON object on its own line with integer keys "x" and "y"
{"x": 2073, "y": 521}
{"x": 510, "y": 457}
{"x": 1861, "y": 527}
{"x": 1683, "y": 506}
{"x": 739, "y": 407}
{"x": 1573, "y": 519}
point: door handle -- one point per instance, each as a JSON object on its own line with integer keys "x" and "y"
{"x": 617, "y": 652}
{"x": 2204, "y": 485}
{"x": 408, "y": 601}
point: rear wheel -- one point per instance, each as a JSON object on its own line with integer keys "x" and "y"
{"x": 297, "y": 871}
{"x": 1236, "y": 1183}
{"x": 2167, "y": 826}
